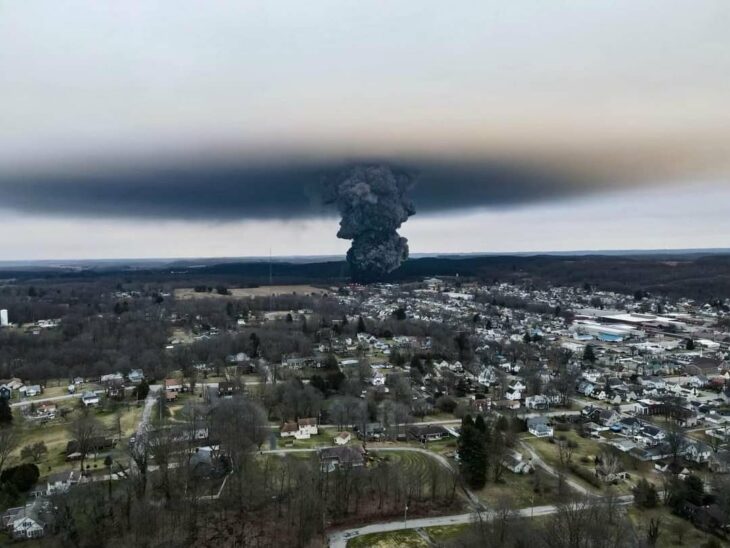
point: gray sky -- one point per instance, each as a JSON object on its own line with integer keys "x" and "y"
{"x": 177, "y": 128}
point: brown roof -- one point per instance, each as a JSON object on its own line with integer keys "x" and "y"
{"x": 289, "y": 427}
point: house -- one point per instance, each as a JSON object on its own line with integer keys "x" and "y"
{"x": 300, "y": 430}
{"x": 173, "y": 385}
{"x": 630, "y": 426}
{"x": 112, "y": 377}
{"x": 95, "y": 445}
{"x": 698, "y": 452}
{"x": 61, "y": 482}
{"x": 342, "y": 438}
{"x": 517, "y": 386}
{"x": 136, "y": 376}
{"x": 719, "y": 462}
{"x": 24, "y": 522}
{"x": 27, "y": 527}
{"x": 539, "y": 427}
{"x": 513, "y": 395}
{"x": 31, "y": 391}
{"x": 653, "y": 434}
{"x": 426, "y": 433}
{"x": 227, "y": 389}
{"x": 342, "y": 456}
{"x": 488, "y": 377}
{"x": 378, "y": 379}
{"x": 115, "y": 389}
{"x": 372, "y": 432}
{"x": 90, "y": 398}
{"x": 537, "y": 402}
{"x": 608, "y": 417}
{"x": 507, "y": 404}
{"x": 514, "y": 462}
{"x": 46, "y": 411}
{"x": 309, "y": 426}
{"x": 586, "y": 388}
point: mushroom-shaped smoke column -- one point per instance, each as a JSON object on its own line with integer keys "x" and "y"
{"x": 373, "y": 201}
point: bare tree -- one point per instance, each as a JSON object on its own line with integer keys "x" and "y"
{"x": 9, "y": 440}
{"x": 85, "y": 430}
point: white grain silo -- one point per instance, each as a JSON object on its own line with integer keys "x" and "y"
{"x": 4, "y": 318}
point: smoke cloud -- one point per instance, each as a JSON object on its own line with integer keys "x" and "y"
{"x": 242, "y": 188}
{"x": 373, "y": 201}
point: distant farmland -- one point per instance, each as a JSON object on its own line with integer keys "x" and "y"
{"x": 250, "y": 292}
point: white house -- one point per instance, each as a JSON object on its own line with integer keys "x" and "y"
{"x": 514, "y": 462}
{"x": 343, "y": 438}
{"x": 537, "y": 402}
{"x": 378, "y": 379}
{"x": 27, "y": 527}
{"x": 31, "y": 391}
{"x": 61, "y": 482}
{"x": 488, "y": 376}
{"x": 539, "y": 427}
{"x": 90, "y": 398}
{"x": 301, "y": 430}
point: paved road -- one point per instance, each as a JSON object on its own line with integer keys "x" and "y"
{"x": 339, "y": 539}
{"x": 144, "y": 420}
{"x": 537, "y": 460}
{"x": 54, "y": 398}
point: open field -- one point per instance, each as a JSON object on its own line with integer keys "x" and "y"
{"x": 250, "y": 292}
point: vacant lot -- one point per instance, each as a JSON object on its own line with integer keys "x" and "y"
{"x": 250, "y": 292}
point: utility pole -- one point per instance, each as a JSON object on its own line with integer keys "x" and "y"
{"x": 271, "y": 284}
{"x": 405, "y": 517}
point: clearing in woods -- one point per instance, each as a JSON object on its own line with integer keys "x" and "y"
{"x": 250, "y": 292}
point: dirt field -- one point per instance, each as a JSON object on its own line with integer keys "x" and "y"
{"x": 249, "y": 292}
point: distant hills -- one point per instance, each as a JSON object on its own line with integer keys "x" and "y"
{"x": 700, "y": 274}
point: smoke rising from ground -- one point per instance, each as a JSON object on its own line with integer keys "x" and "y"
{"x": 373, "y": 201}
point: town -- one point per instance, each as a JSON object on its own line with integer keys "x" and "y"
{"x": 411, "y": 409}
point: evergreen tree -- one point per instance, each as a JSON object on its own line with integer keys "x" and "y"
{"x": 588, "y": 354}
{"x": 690, "y": 344}
{"x": 6, "y": 413}
{"x": 361, "y": 325}
{"x": 473, "y": 451}
{"x": 142, "y": 390}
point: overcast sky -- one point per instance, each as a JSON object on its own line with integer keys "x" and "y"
{"x": 179, "y": 128}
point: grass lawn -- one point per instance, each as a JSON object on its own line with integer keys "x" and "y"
{"x": 56, "y": 435}
{"x": 445, "y": 533}
{"x": 584, "y": 453}
{"x": 519, "y": 489}
{"x": 393, "y": 539}
{"x": 586, "y": 447}
{"x": 322, "y": 440}
{"x": 129, "y": 417}
{"x": 670, "y": 528}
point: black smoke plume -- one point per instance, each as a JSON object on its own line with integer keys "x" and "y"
{"x": 373, "y": 201}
